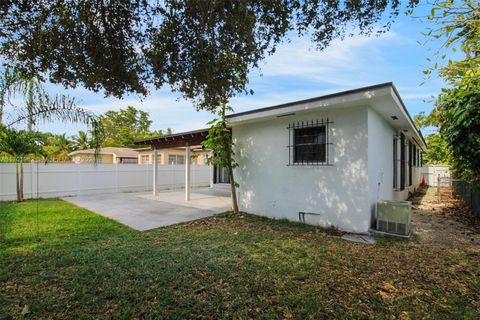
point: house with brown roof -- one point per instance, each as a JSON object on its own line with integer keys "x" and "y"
{"x": 106, "y": 155}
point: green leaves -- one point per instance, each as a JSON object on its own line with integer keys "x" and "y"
{"x": 459, "y": 115}
{"x": 20, "y": 143}
{"x": 203, "y": 49}
{"x": 122, "y": 127}
{"x": 457, "y": 111}
{"x": 456, "y": 26}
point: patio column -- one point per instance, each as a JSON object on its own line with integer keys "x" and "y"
{"x": 155, "y": 169}
{"x": 212, "y": 171}
{"x": 187, "y": 172}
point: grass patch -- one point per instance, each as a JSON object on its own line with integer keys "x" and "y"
{"x": 71, "y": 263}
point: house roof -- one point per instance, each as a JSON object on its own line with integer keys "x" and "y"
{"x": 383, "y": 98}
{"x": 176, "y": 140}
{"x": 118, "y": 152}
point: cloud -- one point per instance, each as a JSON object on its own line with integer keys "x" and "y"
{"x": 298, "y": 59}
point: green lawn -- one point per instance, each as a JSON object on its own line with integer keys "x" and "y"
{"x": 71, "y": 263}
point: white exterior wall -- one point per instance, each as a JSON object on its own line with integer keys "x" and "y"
{"x": 339, "y": 193}
{"x": 380, "y": 160}
{"x": 59, "y": 180}
{"x": 380, "y": 163}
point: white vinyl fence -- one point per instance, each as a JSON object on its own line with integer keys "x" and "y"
{"x": 433, "y": 172}
{"x": 59, "y": 180}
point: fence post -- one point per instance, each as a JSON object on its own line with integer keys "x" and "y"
{"x": 438, "y": 188}
{"x": 31, "y": 179}
{"x": 116, "y": 177}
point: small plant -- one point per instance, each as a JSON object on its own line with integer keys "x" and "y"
{"x": 19, "y": 144}
{"x": 219, "y": 140}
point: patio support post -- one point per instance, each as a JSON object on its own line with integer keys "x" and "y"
{"x": 155, "y": 169}
{"x": 187, "y": 172}
{"x": 212, "y": 171}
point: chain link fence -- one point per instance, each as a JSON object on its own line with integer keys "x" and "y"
{"x": 448, "y": 187}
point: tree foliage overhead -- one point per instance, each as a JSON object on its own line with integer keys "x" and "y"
{"x": 456, "y": 24}
{"x": 204, "y": 49}
{"x": 457, "y": 108}
{"x": 460, "y": 125}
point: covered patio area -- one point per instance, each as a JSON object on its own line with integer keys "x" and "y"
{"x": 187, "y": 140}
{"x": 144, "y": 211}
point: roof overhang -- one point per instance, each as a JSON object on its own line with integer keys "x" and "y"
{"x": 191, "y": 138}
{"x": 383, "y": 98}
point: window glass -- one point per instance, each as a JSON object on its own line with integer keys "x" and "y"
{"x": 310, "y": 145}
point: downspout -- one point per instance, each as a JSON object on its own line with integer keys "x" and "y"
{"x": 379, "y": 184}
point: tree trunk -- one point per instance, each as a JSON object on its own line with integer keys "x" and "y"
{"x": 233, "y": 190}
{"x": 30, "y": 102}
{"x": 2, "y": 102}
{"x": 1, "y": 114}
{"x": 17, "y": 180}
{"x": 21, "y": 181}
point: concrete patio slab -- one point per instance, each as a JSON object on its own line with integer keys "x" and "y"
{"x": 142, "y": 211}
{"x": 203, "y": 199}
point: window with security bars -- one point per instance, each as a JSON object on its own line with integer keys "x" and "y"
{"x": 395, "y": 162}
{"x": 405, "y": 156}
{"x": 308, "y": 143}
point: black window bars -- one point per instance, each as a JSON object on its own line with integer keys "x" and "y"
{"x": 308, "y": 143}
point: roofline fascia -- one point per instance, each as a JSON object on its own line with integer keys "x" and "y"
{"x": 412, "y": 123}
{"x": 175, "y": 135}
{"x": 327, "y": 96}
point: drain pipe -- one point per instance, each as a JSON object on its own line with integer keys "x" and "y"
{"x": 380, "y": 182}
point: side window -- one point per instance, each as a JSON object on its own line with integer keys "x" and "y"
{"x": 309, "y": 143}
{"x": 395, "y": 162}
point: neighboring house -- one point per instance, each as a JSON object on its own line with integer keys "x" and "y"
{"x": 106, "y": 155}
{"x": 332, "y": 157}
{"x": 172, "y": 156}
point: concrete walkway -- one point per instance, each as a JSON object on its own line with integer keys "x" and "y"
{"x": 142, "y": 211}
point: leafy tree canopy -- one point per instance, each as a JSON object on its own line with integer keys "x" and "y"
{"x": 457, "y": 108}
{"x": 122, "y": 127}
{"x": 456, "y": 26}
{"x": 204, "y": 49}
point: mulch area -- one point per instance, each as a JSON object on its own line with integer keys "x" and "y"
{"x": 444, "y": 220}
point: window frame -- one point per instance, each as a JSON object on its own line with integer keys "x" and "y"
{"x": 403, "y": 176}
{"x": 303, "y": 156}
{"x": 177, "y": 156}
{"x": 317, "y": 150}
{"x": 395, "y": 162}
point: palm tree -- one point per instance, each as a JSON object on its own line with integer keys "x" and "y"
{"x": 57, "y": 147}
{"x": 19, "y": 144}
{"x": 34, "y": 94}
{"x": 40, "y": 106}
{"x": 81, "y": 141}
{"x": 6, "y": 82}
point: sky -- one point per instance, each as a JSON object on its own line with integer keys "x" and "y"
{"x": 296, "y": 71}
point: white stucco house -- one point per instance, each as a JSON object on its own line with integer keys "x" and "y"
{"x": 332, "y": 157}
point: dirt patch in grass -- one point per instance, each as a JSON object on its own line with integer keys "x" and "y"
{"x": 448, "y": 222}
